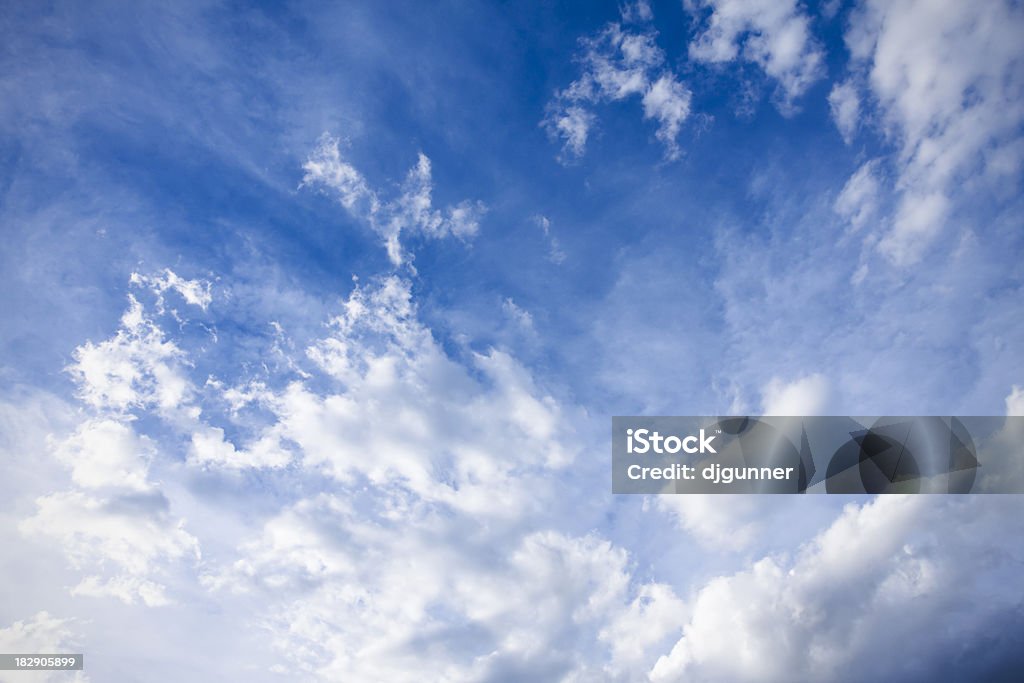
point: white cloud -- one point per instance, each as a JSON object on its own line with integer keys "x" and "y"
{"x": 428, "y": 423}
{"x": 804, "y": 396}
{"x": 947, "y": 79}
{"x": 359, "y": 597}
{"x": 132, "y": 532}
{"x": 844, "y": 103}
{"x": 919, "y": 218}
{"x": 127, "y": 588}
{"x": 732, "y": 526}
{"x": 138, "y": 367}
{"x": 117, "y": 522}
{"x": 210, "y": 449}
{"x": 668, "y": 101}
{"x": 639, "y": 630}
{"x": 572, "y": 123}
{"x": 843, "y": 607}
{"x": 412, "y": 211}
{"x": 106, "y": 454}
{"x": 773, "y": 34}
{"x": 436, "y": 548}
{"x": 617, "y": 63}
{"x": 326, "y": 167}
{"x": 194, "y": 292}
{"x": 435, "y": 465}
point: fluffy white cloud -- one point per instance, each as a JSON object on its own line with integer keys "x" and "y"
{"x": 138, "y": 367}
{"x": 617, "y": 63}
{"x": 947, "y": 79}
{"x": 435, "y": 547}
{"x": 106, "y": 454}
{"x": 408, "y": 414}
{"x": 429, "y": 557}
{"x": 412, "y": 211}
{"x": 572, "y": 123}
{"x": 117, "y": 522}
{"x": 844, "y": 606}
{"x": 387, "y": 598}
{"x": 773, "y": 34}
{"x": 668, "y": 101}
{"x": 210, "y": 448}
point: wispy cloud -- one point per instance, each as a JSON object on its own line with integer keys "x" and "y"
{"x": 555, "y": 252}
{"x": 620, "y": 62}
{"x": 411, "y": 211}
{"x": 844, "y": 102}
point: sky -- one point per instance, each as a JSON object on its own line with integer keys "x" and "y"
{"x": 315, "y": 316}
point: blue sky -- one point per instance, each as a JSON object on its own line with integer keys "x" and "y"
{"x": 316, "y": 315}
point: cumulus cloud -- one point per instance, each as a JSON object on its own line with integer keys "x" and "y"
{"x": 617, "y": 63}
{"x": 412, "y": 211}
{"x": 947, "y": 80}
{"x": 430, "y": 425}
{"x": 426, "y": 540}
{"x": 106, "y": 454}
{"x": 774, "y": 35}
{"x": 359, "y": 596}
{"x": 440, "y": 464}
{"x": 210, "y": 448}
{"x": 845, "y": 605}
{"x": 116, "y": 523}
